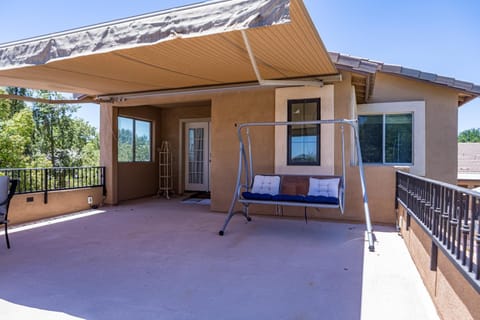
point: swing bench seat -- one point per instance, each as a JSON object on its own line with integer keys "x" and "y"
{"x": 295, "y": 190}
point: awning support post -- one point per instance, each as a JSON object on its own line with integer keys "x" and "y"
{"x": 368, "y": 223}
{"x": 263, "y": 82}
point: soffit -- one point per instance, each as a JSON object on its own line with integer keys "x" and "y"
{"x": 286, "y": 45}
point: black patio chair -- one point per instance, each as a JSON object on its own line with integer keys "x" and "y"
{"x": 6, "y": 195}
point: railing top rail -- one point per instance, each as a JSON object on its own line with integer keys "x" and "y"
{"x": 442, "y": 184}
{"x": 350, "y": 122}
{"x": 43, "y": 168}
{"x": 33, "y": 180}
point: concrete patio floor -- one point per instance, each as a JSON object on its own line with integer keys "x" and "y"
{"x": 160, "y": 259}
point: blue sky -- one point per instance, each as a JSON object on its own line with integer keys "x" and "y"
{"x": 438, "y": 36}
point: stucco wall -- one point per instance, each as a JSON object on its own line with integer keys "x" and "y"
{"x": 380, "y": 180}
{"x": 227, "y": 110}
{"x": 453, "y": 296}
{"x": 441, "y": 120}
{"x": 137, "y": 180}
{"x": 59, "y": 203}
{"x": 327, "y": 143}
{"x": 170, "y": 127}
{"x": 441, "y": 133}
{"x": 253, "y": 105}
{"x": 108, "y": 150}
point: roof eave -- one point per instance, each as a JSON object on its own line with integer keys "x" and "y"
{"x": 467, "y": 91}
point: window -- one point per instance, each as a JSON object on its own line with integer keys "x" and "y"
{"x": 134, "y": 140}
{"x": 386, "y": 138}
{"x": 303, "y": 141}
{"x": 324, "y": 97}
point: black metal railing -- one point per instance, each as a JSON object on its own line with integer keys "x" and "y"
{"x": 55, "y": 179}
{"x": 450, "y": 215}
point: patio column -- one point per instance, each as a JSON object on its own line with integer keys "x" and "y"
{"x": 108, "y": 149}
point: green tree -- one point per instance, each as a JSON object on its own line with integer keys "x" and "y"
{"x": 470, "y": 135}
{"x": 63, "y": 139}
{"x": 142, "y": 149}
{"x": 16, "y": 128}
{"x": 17, "y": 105}
{"x": 91, "y": 153}
{"x": 15, "y": 139}
{"x": 44, "y": 135}
{"x": 51, "y": 129}
{"x": 125, "y": 145}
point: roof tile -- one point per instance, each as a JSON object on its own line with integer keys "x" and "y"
{"x": 391, "y": 68}
{"x": 348, "y": 61}
{"x": 445, "y": 80}
{"x": 370, "y": 66}
{"x": 334, "y": 56}
{"x": 428, "y": 76}
{"x": 410, "y": 72}
{"x": 463, "y": 85}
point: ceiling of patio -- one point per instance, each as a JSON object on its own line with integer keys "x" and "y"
{"x": 285, "y": 48}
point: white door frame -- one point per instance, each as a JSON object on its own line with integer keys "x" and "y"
{"x": 181, "y": 150}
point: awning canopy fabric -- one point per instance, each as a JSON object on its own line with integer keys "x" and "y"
{"x": 194, "y": 46}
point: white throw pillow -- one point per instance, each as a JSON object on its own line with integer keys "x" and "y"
{"x": 323, "y": 187}
{"x": 266, "y": 184}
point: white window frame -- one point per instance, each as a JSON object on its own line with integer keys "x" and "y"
{"x": 417, "y": 109}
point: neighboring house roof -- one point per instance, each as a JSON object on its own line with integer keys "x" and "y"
{"x": 368, "y": 68}
{"x": 187, "y": 47}
{"x": 469, "y": 161}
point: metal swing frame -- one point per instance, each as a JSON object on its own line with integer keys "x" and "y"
{"x": 245, "y": 168}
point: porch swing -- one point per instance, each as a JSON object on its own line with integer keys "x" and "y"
{"x": 309, "y": 191}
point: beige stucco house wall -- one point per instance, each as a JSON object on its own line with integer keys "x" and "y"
{"x": 226, "y": 108}
{"x": 32, "y": 207}
{"x": 441, "y": 111}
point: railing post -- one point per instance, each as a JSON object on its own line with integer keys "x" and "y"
{"x": 433, "y": 257}
{"x": 102, "y": 170}
{"x": 474, "y": 216}
{"x": 45, "y": 186}
{"x": 397, "y": 181}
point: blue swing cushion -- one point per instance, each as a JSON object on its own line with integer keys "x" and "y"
{"x": 289, "y": 198}
{"x": 320, "y": 190}
{"x": 321, "y": 199}
{"x": 256, "y": 196}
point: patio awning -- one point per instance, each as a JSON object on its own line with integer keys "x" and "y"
{"x": 194, "y": 46}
